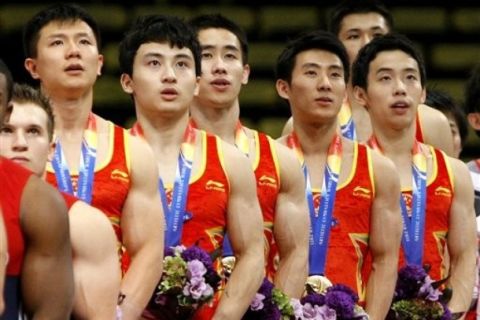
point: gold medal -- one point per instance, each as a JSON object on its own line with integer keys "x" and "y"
{"x": 228, "y": 263}
{"x": 318, "y": 283}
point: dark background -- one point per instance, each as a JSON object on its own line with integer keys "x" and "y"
{"x": 447, "y": 34}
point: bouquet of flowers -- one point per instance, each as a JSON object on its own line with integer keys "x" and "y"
{"x": 189, "y": 280}
{"x": 338, "y": 302}
{"x": 270, "y": 304}
{"x": 417, "y": 296}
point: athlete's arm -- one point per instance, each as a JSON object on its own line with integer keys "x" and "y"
{"x": 47, "y": 275}
{"x": 461, "y": 238}
{"x": 385, "y": 237}
{"x": 95, "y": 263}
{"x": 291, "y": 225}
{"x": 436, "y": 129}
{"x": 143, "y": 230}
{"x": 245, "y": 229}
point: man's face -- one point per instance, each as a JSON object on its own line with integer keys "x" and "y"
{"x": 67, "y": 57}
{"x": 223, "y": 72}
{"x": 24, "y": 137}
{"x": 163, "y": 78}
{"x": 317, "y": 87}
{"x": 457, "y": 140}
{"x": 358, "y": 29}
{"x": 394, "y": 89}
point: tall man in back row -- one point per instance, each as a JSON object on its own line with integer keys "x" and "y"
{"x": 352, "y": 191}
{"x": 279, "y": 181}
{"x": 94, "y": 159}
{"x": 356, "y": 23}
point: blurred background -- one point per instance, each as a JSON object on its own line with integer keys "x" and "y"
{"x": 448, "y": 34}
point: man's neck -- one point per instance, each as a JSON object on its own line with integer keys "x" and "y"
{"x": 219, "y": 121}
{"x": 395, "y": 143}
{"x": 315, "y": 138}
{"x": 71, "y": 114}
{"x": 163, "y": 131}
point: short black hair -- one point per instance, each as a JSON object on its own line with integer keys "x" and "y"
{"x": 217, "y": 21}
{"x": 60, "y": 12}
{"x": 348, "y": 7}
{"x": 445, "y": 103}
{"x": 23, "y": 93}
{"x": 315, "y": 40}
{"x": 8, "y": 79}
{"x": 389, "y": 42}
{"x": 160, "y": 29}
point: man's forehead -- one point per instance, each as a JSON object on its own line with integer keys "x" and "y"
{"x": 362, "y": 21}
{"x": 66, "y": 26}
{"x": 395, "y": 60}
{"x": 217, "y": 37}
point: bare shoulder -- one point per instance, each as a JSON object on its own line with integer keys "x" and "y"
{"x": 42, "y": 202}
{"x": 285, "y": 155}
{"x": 38, "y": 192}
{"x": 460, "y": 172}
{"x": 141, "y": 156}
{"x": 385, "y": 172}
{"x": 233, "y": 157}
{"x": 431, "y": 115}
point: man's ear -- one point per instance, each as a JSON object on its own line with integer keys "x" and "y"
{"x": 360, "y": 96}
{"x": 31, "y": 65}
{"x": 51, "y": 151}
{"x": 100, "y": 64}
{"x": 196, "y": 91}
{"x": 474, "y": 120}
{"x": 246, "y": 73}
{"x": 127, "y": 83}
{"x": 283, "y": 89}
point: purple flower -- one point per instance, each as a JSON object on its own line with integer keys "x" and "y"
{"x": 343, "y": 288}
{"x": 297, "y": 308}
{"x": 266, "y": 288}
{"x": 168, "y": 252}
{"x": 257, "y": 303}
{"x": 342, "y": 302}
{"x": 269, "y": 311}
{"x": 309, "y": 311}
{"x": 195, "y": 269}
{"x": 409, "y": 281}
{"x": 197, "y": 253}
{"x": 317, "y": 313}
{"x": 447, "y": 315}
{"x": 314, "y": 299}
{"x": 197, "y": 288}
{"x": 326, "y": 313}
{"x": 427, "y": 291}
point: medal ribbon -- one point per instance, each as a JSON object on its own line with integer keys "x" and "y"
{"x": 345, "y": 119}
{"x": 86, "y": 169}
{"x": 175, "y": 211}
{"x": 321, "y": 220}
{"x": 414, "y": 226}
